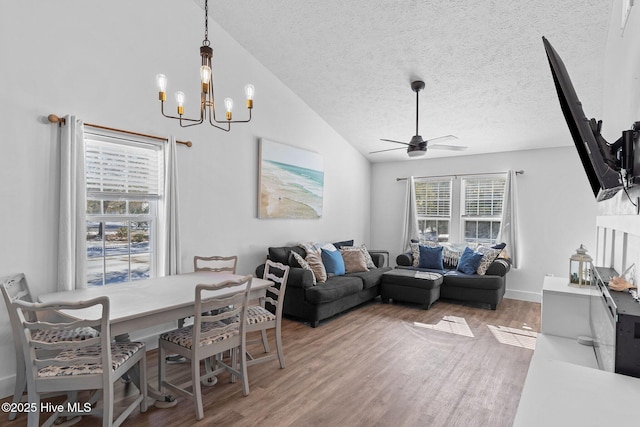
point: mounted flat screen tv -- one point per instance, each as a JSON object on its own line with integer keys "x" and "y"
{"x": 597, "y": 156}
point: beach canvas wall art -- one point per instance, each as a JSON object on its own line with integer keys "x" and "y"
{"x": 291, "y": 182}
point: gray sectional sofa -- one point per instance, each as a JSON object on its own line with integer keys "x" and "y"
{"x": 313, "y": 303}
{"x": 486, "y": 289}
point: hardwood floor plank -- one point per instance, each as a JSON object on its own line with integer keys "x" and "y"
{"x": 370, "y": 366}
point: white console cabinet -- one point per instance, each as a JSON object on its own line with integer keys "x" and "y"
{"x": 564, "y": 386}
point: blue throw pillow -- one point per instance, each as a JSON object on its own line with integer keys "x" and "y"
{"x": 431, "y": 257}
{"x": 469, "y": 261}
{"x": 333, "y": 262}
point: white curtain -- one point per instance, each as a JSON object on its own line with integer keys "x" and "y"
{"x": 411, "y": 230}
{"x": 169, "y": 247}
{"x": 72, "y": 231}
{"x": 509, "y": 223}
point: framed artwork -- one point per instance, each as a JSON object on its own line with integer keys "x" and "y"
{"x": 291, "y": 182}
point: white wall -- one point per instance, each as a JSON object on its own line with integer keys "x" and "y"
{"x": 556, "y": 206}
{"x": 99, "y": 60}
{"x": 618, "y": 245}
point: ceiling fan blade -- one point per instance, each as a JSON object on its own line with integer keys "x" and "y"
{"x": 445, "y": 138}
{"x": 447, "y": 147}
{"x": 397, "y": 142}
{"x": 390, "y": 149}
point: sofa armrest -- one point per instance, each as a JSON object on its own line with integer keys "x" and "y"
{"x": 298, "y": 277}
{"x": 499, "y": 267}
{"x": 405, "y": 259}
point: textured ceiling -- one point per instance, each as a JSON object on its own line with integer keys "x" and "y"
{"x": 487, "y": 77}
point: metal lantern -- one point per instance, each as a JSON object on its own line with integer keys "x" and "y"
{"x": 580, "y": 268}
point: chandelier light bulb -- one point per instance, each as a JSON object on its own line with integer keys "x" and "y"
{"x": 205, "y": 77}
{"x": 161, "y": 82}
{"x": 228, "y": 104}
{"x": 250, "y": 91}
{"x": 180, "y": 102}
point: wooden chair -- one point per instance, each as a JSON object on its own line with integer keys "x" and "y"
{"x": 215, "y": 263}
{"x": 78, "y": 364}
{"x": 259, "y": 318}
{"x": 15, "y": 288}
{"x": 210, "y": 334}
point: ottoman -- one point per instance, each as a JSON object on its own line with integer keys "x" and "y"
{"x": 411, "y": 286}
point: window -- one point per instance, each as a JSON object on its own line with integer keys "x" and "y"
{"x": 124, "y": 181}
{"x": 433, "y": 202}
{"x": 466, "y": 209}
{"x": 482, "y": 208}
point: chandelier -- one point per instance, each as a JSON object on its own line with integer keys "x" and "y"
{"x": 207, "y": 99}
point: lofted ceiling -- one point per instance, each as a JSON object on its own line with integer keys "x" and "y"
{"x": 487, "y": 77}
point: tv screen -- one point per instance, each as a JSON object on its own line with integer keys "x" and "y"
{"x": 597, "y": 159}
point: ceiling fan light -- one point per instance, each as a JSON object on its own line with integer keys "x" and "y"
{"x": 416, "y": 153}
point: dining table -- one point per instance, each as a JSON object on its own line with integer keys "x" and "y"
{"x": 141, "y": 304}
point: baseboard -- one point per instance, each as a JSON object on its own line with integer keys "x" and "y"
{"x": 6, "y": 386}
{"x": 523, "y": 295}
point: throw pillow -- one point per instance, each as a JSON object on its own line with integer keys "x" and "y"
{"x": 304, "y": 264}
{"x": 354, "y": 261}
{"x": 314, "y": 259}
{"x": 333, "y": 262}
{"x": 362, "y": 248}
{"x": 415, "y": 253}
{"x": 431, "y": 257}
{"x": 469, "y": 261}
{"x": 339, "y": 245}
{"x": 488, "y": 256}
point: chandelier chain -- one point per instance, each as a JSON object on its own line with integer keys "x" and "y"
{"x": 206, "y": 42}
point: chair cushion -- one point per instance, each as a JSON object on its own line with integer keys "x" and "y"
{"x": 120, "y": 353}
{"x": 78, "y": 334}
{"x": 184, "y": 336}
{"x": 257, "y": 314}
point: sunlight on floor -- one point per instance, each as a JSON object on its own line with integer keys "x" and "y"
{"x": 516, "y": 337}
{"x": 450, "y": 324}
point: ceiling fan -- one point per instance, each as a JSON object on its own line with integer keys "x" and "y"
{"x": 418, "y": 146}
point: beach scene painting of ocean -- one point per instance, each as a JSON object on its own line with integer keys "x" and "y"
{"x": 291, "y": 182}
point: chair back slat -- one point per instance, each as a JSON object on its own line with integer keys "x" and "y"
{"x": 215, "y": 263}
{"x": 279, "y": 274}
{"x": 230, "y": 310}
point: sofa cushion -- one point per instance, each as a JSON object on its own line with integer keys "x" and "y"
{"x": 430, "y": 257}
{"x": 333, "y": 289}
{"x": 469, "y": 261}
{"x": 282, "y": 254}
{"x": 372, "y": 277}
{"x": 458, "y": 279}
{"x": 354, "y": 261}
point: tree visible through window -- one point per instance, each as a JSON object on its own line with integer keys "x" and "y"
{"x": 124, "y": 178}
{"x": 482, "y": 208}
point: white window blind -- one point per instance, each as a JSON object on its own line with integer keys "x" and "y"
{"x": 483, "y": 196}
{"x": 123, "y": 168}
{"x": 433, "y": 198}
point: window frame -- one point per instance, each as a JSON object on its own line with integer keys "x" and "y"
{"x": 422, "y": 218}
{"x": 494, "y": 218}
{"x": 151, "y": 217}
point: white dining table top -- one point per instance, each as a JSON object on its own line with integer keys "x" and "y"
{"x": 144, "y": 303}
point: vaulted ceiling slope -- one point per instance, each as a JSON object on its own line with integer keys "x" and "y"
{"x": 487, "y": 77}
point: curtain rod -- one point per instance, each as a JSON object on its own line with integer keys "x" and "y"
{"x": 520, "y": 172}
{"x": 60, "y": 120}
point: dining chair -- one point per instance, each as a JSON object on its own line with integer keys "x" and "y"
{"x": 215, "y": 263}
{"x": 268, "y": 315}
{"x": 78, "y": 364}
{"x": 213, "y": 331}
{"x": 15, "y": 288}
